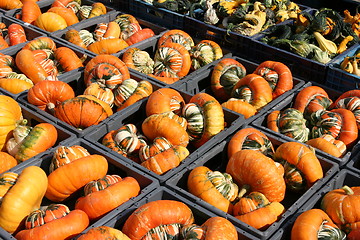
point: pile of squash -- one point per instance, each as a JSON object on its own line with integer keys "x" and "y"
{"x": 40, "y": 59}
{"x": 337, "y": 217}
{"x": 161, "y": 140}
{"x": 176, "y": 55}
{"x": 60, "y": 15}
{"x": 315, "y": 119}
{"x": 256, "y": 178}
{"x": 110, "y": 37}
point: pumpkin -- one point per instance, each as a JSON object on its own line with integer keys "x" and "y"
{"x": 3, "y": 43}
{"x": 22, "y": 198}
{"x": 30, "y": 11}
{"x": 73, "y": 36}
{"x": 50, "y": 223}
{"x": 327, "y": 143}
{"x": 131, "y": 91}
{"x": 6, "y": 162}
{"x": 240, "y": 106}
{"x": 66, "y": 13}
{"x": 140, "y": 35}
{"x": 171, "y": 60}
{"x": 46, "y": 95}
{"x": 50, "y": 22}
{"x": 25, "y": 61}
{"x": 205, "y": 118}
{"x": 310, "y": 99}
{"x": 6, "y": 65}
{"x": 340, "y": 123}
{"x": 354, "y": 234}
{"x": 106, "y": 69}
{"x": 341, "y": 206}
{"x": 167, "y": 125}
{"x": 82, "y": 111}
{"x": 15, "y": 83}
{"x": 176, "y": 36}
{"x": 250, "y": 138}
{"x": 166, "y": 160}
{"x": 42, "y": 56}
{"x": 103, "y": 232}
{"x": 224, "y": 76}
{"x": 349, "y": 101}
{"x": 315, "y": 223}
{"x": 107, "y": 30}
{"x": 253, "y": 89}
{"x": 108, "y": 46}
{"x": 249, "y": 203}
{"x": 138, "y": 60}
{"x": 252, "y": 169}
{"x": 204, "y": 52}
{"x": 158, "y": 145}
{"x": 10, "y": 112}
{"x": 302, "y": 167}
{"x": 16, "y": 34}
{"x": 105, "y": 194}
{"x": 164, "y": 100}
{"x": 154, "y": 214}
{"x": 128, "y": 25}
{"x": 289, "y": 122}
{"x": 40, "y": 43}
{"x": 64, "y": 155}
{"x": 103, "y": 93}
{"x": 9, "y": 4}
{"x": 278, "y": 76}
{"x": 67, "y": 59}
{"x": 214, "y": 187}
{"x": 97, "y": 9}
{"x": 41, "y": 137}
{"x": 67, "y": 179}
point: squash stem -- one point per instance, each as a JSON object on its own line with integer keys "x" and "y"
{"x": 244, "y": 189}
{"x": 348, "y": 190}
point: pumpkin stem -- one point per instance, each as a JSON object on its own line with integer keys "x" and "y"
{"x": 22, "y": 122}
{"x": 244, "y": 189}
{"x": 50, "y": 106}
{"x": 348, "y": 190}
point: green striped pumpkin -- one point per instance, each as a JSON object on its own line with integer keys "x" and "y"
{"x": 101, "y": 184}
{"x": 292, "y": 123}
{"x": 164, "y": 232}
{"x": 223, "y": 182}
{"x": 195, "y": 120}
{"x": 128, "y": 139}
{"x": 325, "y": 122}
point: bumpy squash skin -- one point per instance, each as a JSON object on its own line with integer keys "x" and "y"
{"x": 104, "y": 232}
{"x": 24, "y": 197}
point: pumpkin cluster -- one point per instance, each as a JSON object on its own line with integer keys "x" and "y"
{"x": 110, "y": 37}
{"x": 11, "y": 35}
{"x": 337, "y": 218}
{"x": 176, "y": 55}
{"x": 256, "y": 177}
{"x": 60, "y": 15}
{"x": 40, "y": 59}
{"x": 248, "y": 93}
{"x": 169, "y": 127}
{"x": 318, "y": 121}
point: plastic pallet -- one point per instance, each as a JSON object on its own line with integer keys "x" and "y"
{"x": 76, "y": 81}
{"x": 354, "y": 164}
{"x": 136, "y": 115}
{"x": 340, "y": 80}
{"x": 160, "y": 16}
{"x": 45, "y": 6}
{"x": 201, "y": 214}
{"x": 30, "y": 32}
{"x": 344, "y": 177}
{"x": 62, "y": 77}
{"x": 147, "y": 184}
{"x": 200, "y": 81}
{"x": 91, "y": 24}
{"x": 150, "y": 46}
{"x": 216, "y": 159}
{"x": 33, "y": 119}
{"x": 287, "y": 102}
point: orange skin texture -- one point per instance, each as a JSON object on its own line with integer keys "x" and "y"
{"x": 30, "y": 11}
{"x": 351, "y": 93}
{"x": 27, "y": 64}
{"x": 69, "y": 178}
{"x": 108, "y": 46}
{"x": 304, "y": 98}
{"x": 244, "y": 166}
{"x": 67, "y": 59}
{"x": 285, "y": 81}
{"x": 154, "y": 214}
{"x": 238, "y": 139}
{"x": 326, "y": 146}
{"x": 241, "y": 107}
{"x": 200, "y": 186}
{"x": 58, "y": 229}
{"x": 103, "y": 232}
{"x": 10, "y": 4}
{"x": 66, "y": 13}
{"x": 308, "y": 223}
{"x": 98, "y": 203}
{"x": 72, "y": 35}
{"x": 219, "y": 228}
{"x": 169, "y": 37}
{"x": 161, "y": 101}
{"x": 303, "y": 158}
{"x": 6, "y": 162}
{"x": 40, "y": 43}
{"x": 16, "y": 34}
{"x": 143, "y": 90}
{"x": 140, "y": 35}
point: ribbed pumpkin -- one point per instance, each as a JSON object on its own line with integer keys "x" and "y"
{"x": 164, "y": 100}
{"x": 204, "y": 52}
{"x": 350, "y": 101}
{"x": 103, "y": 232}
{"x": 50, "y": 22}
{"x": 289, "y": 122}
{"x": 138, "y": 60}
{"x": 6, "y": 162}
{"x": 176, "y": 36}
{"x": 103, "y": 93}
{"x": 15, "y": 83}
{"x": 240, "y": 106}
{"x": 64, "y": 155}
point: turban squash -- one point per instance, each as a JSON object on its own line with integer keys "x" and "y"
{"x": 103, "y": 232}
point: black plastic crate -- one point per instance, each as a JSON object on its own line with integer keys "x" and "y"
{"x": 136, "y": 115}
{"x": 62, "y": 77}
{"x": 288, "y": 102}
{"x": 147, "y": 184}
{"x": 45, "y": 5}
{"x": 339, "y": 79}
{"x": 216, "y": 159}
{"x": 344, "y": 177}
{"x": 200, "y": 81}
{"x": 33, "y": 118}
{"x": 30, "y": 32}
{"x": 160, "y": 16}
{"x": 354, "y": 164}
{"x": 76, "y": 81}
{"x": 91, "y": 24}
{"x": 150, "y": 46}
{"x": 201, "y": 214}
